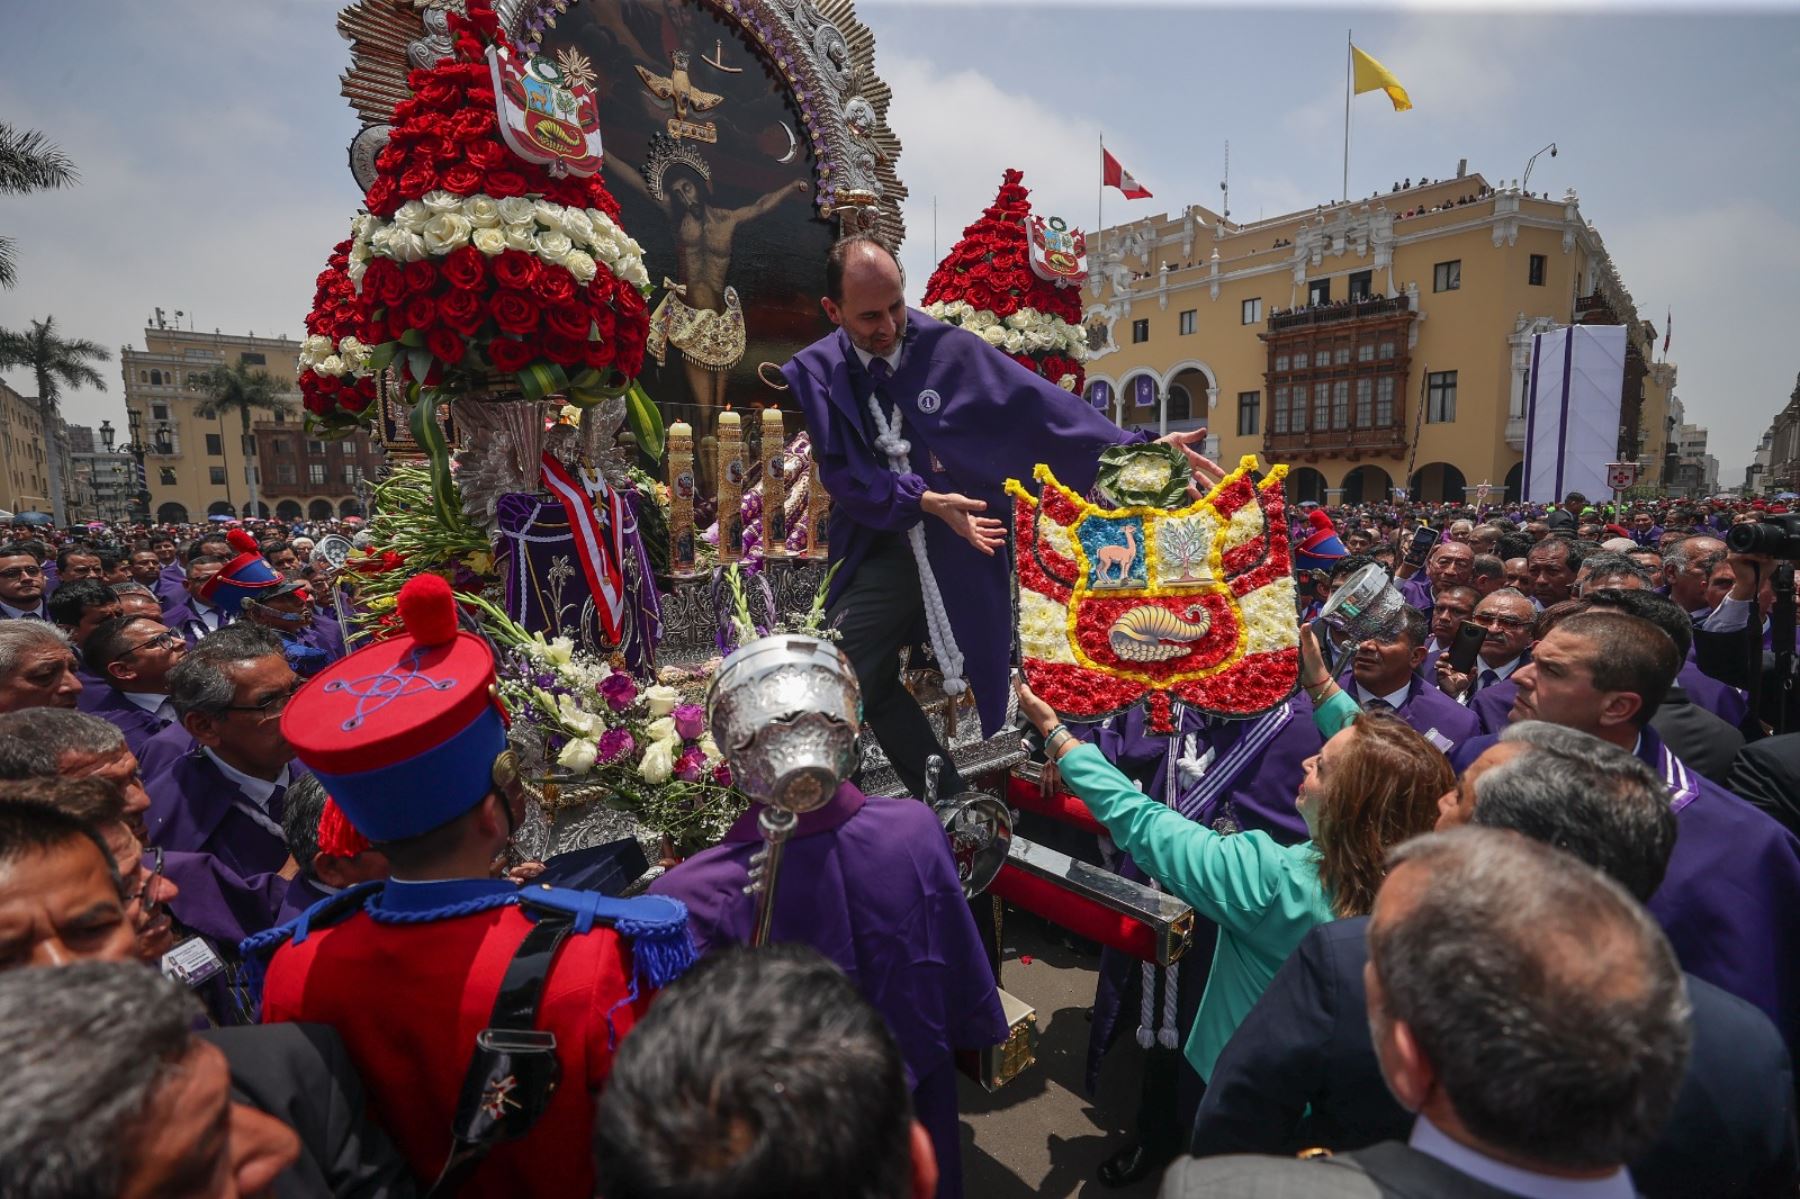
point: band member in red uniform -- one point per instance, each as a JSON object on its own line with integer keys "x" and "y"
{"x": 407, "y": 737}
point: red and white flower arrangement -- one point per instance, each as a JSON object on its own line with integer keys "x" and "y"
{"x": 336, "y": 383}
{"x": 986, "y": 285}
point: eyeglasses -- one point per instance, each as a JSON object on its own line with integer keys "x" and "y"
{"x": 1505, "y": 622}
{"x": 21, "y": 572}
{"x": 142, "y": 894}
{"x": 273, "y": 706}
{"x": 163, "y": 640}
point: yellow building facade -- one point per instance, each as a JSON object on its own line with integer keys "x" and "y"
{"x": 1384, "y": 343}
{"x": 24, "y": 478}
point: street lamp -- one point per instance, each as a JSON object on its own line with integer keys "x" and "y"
{"x": 1530, "y": 162}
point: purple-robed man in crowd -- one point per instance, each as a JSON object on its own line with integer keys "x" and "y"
{"x": 964, "y": 419}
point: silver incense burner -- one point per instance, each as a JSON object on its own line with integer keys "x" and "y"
{"x": 1366, "y": 606}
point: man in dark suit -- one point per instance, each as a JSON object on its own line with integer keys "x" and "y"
{"x": 1385, "y": 674}
{"x": 1767, "y": 774}
{"x": 1488, "y": 690}
{"x": 194, "y": 615}
{"x": 1302, "y": 1071}
{"x": 131, "y": 657}
{"x": 22, "y": 584}
{"x": 1525, "y": 1007}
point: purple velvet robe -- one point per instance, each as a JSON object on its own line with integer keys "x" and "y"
{"x": 983, "y": 419}
{"x": 870, "y": 884}
{"x": 1417, "y": 592}
{"x": 163, "y": 750}
{"x": 111, "y": 705}
{"x": 193, "y": 807}
{"x": 1492, "y": 706}
{"x": 1730, "y": 900}
{"x": 219, "y": 903}
{"x": 171, "y": 585}
{"x": 1722, "y": 700}
{"x": 1426, "y": 709}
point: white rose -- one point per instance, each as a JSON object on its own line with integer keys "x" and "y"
{"x": 445, "y": 232}
{"x": 658, "y": 763}
{"x": 661, "y": 700}
{"x": 581, "y": 265}
{"x": 315, "y": 347}
{"x": 442, "y": 201}
{"x": 636, "y": 275}
{"x": 481, "y": 211}
{"x": 403, "y": 246}
{"x": 489, "y": 241}
{"x": 362, "y": 224}
{"x": 1020, "y": 319}
{"x": 709, "y": 748}
{"x": 549, "y": 215}
{"x": 993, "y": 334}
{"x": 516, "y": 210}
{"x": 521, "y": 237}
{"x": 935, "y": 311}
{"x": 661, "y": 729}
{"x": 980, "y": 322}
{"x": 350, "y": 348}
{"x": 605, "y": 249}
{"x": 1014, "y": 343}
{"x": 603, "y": 224}
{"x": 553, "y": 245}
{"x": 412, "y": 216}
{"x": 359, "y": 252}
{"x": 356, "y": 271}
{"x": 577, "y": 225}
{"x": 331, "y": 365}
{"x": 1067, "y": 382}
{"x": 578, "y": 755}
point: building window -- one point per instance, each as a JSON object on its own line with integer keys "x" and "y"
{"x": 314, "y": 447}
{"x": 1302, "y": 360}
{"x": 350, "y": 474}
{"x": 1440, "y": 397}
{"x": 1278, "y": 418}
{"x": 1365, "y": 352}
{"x": 215, "y": 445}
{"x": 1187, "y": 322}
{"x": 1281, "y": 362}
{"x": 315, "y": 473}
{"x": 1252, "y": 312}
{"x": 1384, "y": 402}
{"x": 1361, "y": 283}
{"x": 156, "y": 378}
{"x": 1535, "y": 274}
{"x": 166, "y": 475}
{"x": 249, "y": 358}
{"x": 1140, "y": 331}
{"x": 284, "y": 473}
{"x": 1318, "y": 292}
{"x": 278, "y": 446}
{"x": 1321, "y": 406}
{"x": 159, "y": 412}
{"x": 216, "y": 475}
{"x": 1341, "y": 355}
{"x": 1387, "y": 350}
{"x": 1249, "y": 413}
{"x": 1447, "y": 276}
{"x": 281, "y": 416}
{"x": 1340, "y": 404}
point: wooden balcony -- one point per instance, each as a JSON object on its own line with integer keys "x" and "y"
{"x": 1313, "y": 444}
{"x": 1331, "y": 314}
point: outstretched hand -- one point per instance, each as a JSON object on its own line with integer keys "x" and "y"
{"x": 1207, "y": 474}
{"x": 961, "y": 514}
{"x": 1041, "y": 715}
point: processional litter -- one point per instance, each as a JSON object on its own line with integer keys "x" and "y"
{"x": 590, "y": 236}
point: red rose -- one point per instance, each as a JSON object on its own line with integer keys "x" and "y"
{"x": 472, "y": 124}
{"x": 421, "y": 312}
{"x": 326, "y": 384}
{"x": 465, "y": 268}
{"x": 501, "y": 184}
{"x": 554, "y": 285}
{"x": 605, "y": 323}
{"x": 598, "y": 354}
{"x": 564, "y": 351}
{"x": 510, "y": 356}
{"x": 437, "y": 93}
{"x": 484, "y": 154}
{"x": 445, "y": 346}
{"x": 353, "y": 401}
{"x": 568, "y": 321}
{"x": 432, "y": 124}
{"x": 462, "y": 179}
{"x": 384, "y": 280}
{"x": 420, "y": 276}
{"x": 482, "y": 97}
{"x": 515, "y": 269}
{"x": 515, "y": 312}
{"x": 462, "y": 311}
{"x": 381, "y": 197}
{"x": 417, "y": 182}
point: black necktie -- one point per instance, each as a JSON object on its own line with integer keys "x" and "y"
{"x": 1378, "y": 704}
{"x": 277, "y": 798}
{"x": 1488, "y": 679}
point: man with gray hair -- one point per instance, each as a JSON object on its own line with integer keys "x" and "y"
{"x": 1608, "y": 569}
{"x": 1525, "y": 1008}
{"x": 37, "y": 666}
{"x": 1688, "y": 566}
{"x": 1302, "y": 1069}
{"x": 111, "y": 1092}
{"x": 224, "y": 797}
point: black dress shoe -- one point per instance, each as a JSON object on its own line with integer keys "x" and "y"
{"x": 1134, "y": 1163}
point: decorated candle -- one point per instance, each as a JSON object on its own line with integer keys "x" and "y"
{"x": 731, "y": 486}
{"x": 681, "y": 497}
{"x": 774, "y": 449}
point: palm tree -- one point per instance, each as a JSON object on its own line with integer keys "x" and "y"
{"x": 28, "y": 163}
{"x": 56, "y": 362}
{"x": 237, "y": 388}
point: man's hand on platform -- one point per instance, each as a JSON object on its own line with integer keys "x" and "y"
{"x": 1207, "y": 473}
{"x": 959, "y": 512}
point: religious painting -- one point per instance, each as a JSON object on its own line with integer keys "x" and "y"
{"x": 706, "y": 151}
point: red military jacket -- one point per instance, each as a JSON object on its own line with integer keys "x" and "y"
{"x": 409, "y": 996}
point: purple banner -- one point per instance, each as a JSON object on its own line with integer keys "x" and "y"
{"x": 1143, "y": 391}
{"x": 1100, "y": 394}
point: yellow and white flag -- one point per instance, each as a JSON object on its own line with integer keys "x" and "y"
{"x": 1371, "y": 76}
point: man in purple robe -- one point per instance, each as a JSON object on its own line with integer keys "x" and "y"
{"x": 867, "y": 881}
{"x": 171, "y": 580}
{"x": 132, "y": 657}
{"x": 193, "y": 616}
{"x": 1450, "y": 564}
{"x": 225, "y": 796}
{"x": 1730, "y": 902}
{"x": 1385, "y": 675}
{"x": 916, "y": 426}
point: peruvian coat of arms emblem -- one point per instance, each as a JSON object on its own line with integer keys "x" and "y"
{"x": 547, "y": 110}
{"x": 1058, "y": 253}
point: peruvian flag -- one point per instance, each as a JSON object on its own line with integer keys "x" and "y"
{"x": 1668, "y": 330}
{"x": 1117, "y": 176}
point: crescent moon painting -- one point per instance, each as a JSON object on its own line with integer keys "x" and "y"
{"x": 793, "y": 144}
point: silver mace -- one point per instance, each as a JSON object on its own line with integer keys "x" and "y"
{"x": 776, "y": 825}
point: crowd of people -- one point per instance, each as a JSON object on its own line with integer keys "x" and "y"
{"x": 1504, "y": 901}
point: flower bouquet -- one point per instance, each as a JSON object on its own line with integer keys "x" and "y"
{"x": 986, "y": 285}
{"x": 337, "y": 384}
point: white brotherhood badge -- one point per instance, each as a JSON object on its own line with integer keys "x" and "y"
{"x": 929, "y": 402}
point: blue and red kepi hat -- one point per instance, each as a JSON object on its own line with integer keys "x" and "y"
{"x": 1320, "y": 549}
{"x": 244, "y": 577}
{"x": 404, "y": 733}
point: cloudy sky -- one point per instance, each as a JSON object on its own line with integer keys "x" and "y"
{"x": 210, "y": 138}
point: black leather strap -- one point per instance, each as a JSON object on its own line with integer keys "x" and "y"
{"x": 513, "y": 1069}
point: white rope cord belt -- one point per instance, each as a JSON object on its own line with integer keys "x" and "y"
{"x": 937, "y": 618}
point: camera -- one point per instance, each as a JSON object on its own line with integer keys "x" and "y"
{"x": 1775, "y": 536}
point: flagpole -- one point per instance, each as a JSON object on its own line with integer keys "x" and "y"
{"x": 1100, "y": 193}
{"x": 1348, "y": 34}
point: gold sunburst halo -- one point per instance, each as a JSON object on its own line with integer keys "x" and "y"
{"x": 577, "y": 70}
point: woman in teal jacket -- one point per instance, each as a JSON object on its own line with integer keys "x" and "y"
{"x": 1375, "y": 783}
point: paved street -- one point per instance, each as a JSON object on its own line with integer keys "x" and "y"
{"x": 1040, "y": 1135}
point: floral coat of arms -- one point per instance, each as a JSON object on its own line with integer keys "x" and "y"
{"x": 1151, "y": 602}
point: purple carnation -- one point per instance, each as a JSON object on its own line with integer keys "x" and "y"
{"x": 619, "y": 689}
{"x": 614, "y": 744}
{"x": 690, "y": 721}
